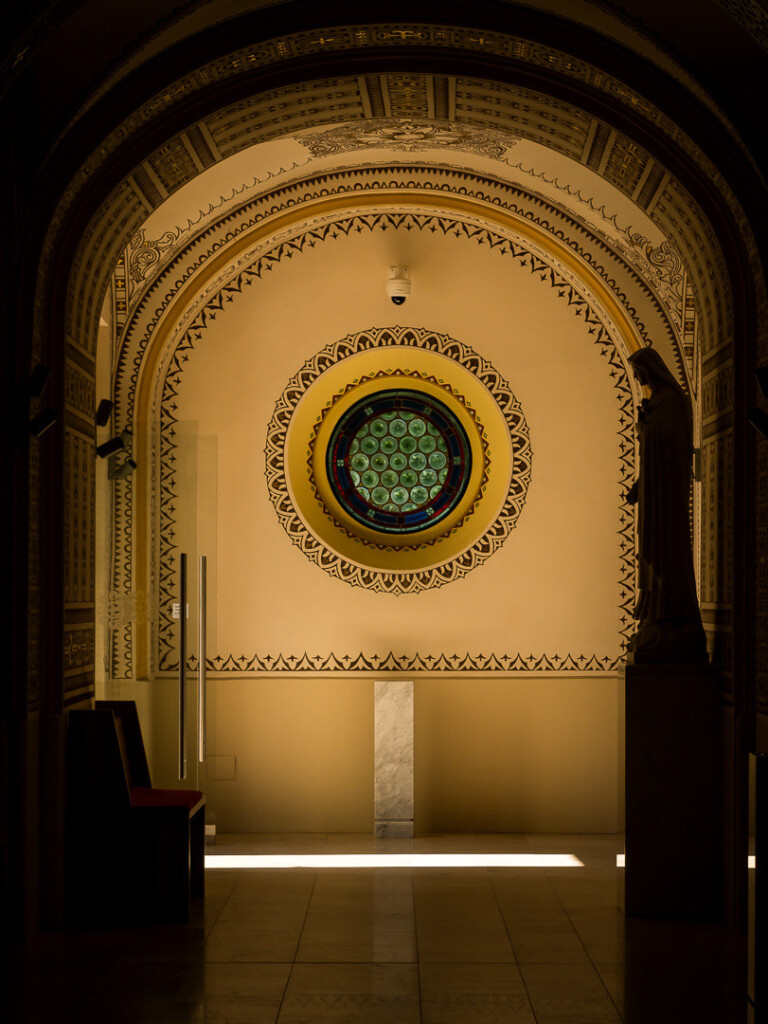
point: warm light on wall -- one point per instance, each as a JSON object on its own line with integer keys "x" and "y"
{"x": 396, "y": 860}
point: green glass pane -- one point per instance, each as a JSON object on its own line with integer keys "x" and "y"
{"x": 397, "y": 461}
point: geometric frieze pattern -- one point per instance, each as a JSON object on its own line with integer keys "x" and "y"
{"x": 679, "y": 218}
{"x": 79, "y": 523}
{"x": 194, "y": 335}
{"x": 717, "y": 391}
{"x": 79, "y": 648}
{"x": 79, "y": 390}
{"x": 717, "y": 521}
{"x": 391, "y": 662}
{"x": 121, "y": 597}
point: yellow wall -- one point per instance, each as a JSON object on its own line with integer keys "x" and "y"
{"x": 500, "y": 753}
{"x": 535, "y": 754}
{"x": 529, "y": 754}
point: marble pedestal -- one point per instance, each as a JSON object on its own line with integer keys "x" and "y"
{"x": 393, "y": 759}
{"x": 673, "y": 813}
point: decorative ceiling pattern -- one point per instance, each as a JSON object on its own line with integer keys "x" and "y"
{"x": 560, "y": 127}
{"x": 408, "y": 136}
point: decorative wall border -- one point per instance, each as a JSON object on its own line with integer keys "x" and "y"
{"x": 148, "y": 307}
{"x": 504, "y": 246}
{"x": 477, "y": 663}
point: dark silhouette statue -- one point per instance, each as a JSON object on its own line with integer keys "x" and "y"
{"x": 669, "y": 620}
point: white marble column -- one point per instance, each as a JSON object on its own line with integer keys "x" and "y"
{"x": 393, "y": 758}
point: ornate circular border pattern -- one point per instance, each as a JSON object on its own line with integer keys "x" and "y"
{"x": 317, "y": 399}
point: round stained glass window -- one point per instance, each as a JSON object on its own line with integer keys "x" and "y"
{"x": 399, "y": 461}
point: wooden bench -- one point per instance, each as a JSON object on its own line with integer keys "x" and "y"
{"x": 134, "y": 852}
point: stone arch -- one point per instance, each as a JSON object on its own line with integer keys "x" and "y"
{"x": 622, "y": 111}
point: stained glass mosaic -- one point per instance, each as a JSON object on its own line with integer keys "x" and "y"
{"x": 399, "y": 461}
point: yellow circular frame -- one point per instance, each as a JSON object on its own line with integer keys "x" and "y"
{"x": 406, "y": 368}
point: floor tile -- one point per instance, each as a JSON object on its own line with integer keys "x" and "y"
{"x": 341, "y": 945}
{"x": 261, "y": 942}
{"x": 464, "y": 994}
{"x": 374, "y": 935}
{"x": 351, "y": 994}
{"x": 568, "y": 994}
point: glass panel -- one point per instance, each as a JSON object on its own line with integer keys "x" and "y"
{"x": 399, "y": 461}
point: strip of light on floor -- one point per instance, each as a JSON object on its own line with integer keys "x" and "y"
{"x": 395, "y": 860}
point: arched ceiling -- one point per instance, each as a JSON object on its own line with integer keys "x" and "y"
{"x": 552, "y": 150}
{"x": 561, "y": 130}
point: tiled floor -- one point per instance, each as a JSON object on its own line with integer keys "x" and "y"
{"x": 393, "y": 946}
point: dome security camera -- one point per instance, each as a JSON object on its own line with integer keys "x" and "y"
{"x": 399, "y": 285}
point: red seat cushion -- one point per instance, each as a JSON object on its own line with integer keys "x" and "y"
{"x": 143, "y": 797}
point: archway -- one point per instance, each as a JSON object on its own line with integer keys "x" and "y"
{"x": 84, "y": 304}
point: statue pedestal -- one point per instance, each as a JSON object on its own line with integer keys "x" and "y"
{"x": 673, "y": 816}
